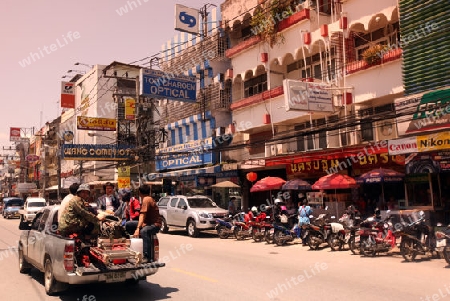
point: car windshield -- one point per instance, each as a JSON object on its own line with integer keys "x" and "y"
{"x": 201, "y": 203}
{"x": 36, "y": 204}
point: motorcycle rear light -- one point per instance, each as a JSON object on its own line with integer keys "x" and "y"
{"x": 440, "y": 235}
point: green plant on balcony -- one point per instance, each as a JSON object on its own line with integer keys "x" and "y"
{"x": 265, "y": 21}
{"x": 374, "y": 54}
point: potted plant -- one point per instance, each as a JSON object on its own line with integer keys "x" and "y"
{"x": 374, "y": 54}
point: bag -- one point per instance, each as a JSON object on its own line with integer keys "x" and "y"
{"x": 284, "y": 218}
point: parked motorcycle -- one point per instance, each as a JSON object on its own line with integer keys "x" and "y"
{"x": 283, "y": 232}
{"x": 318, "y": 231}
{"x": 344, "y": 232}
{"x": 443, "y": 242}
{"x": 376, "y": 236}
{"x": 224, "y": 227}
{"x": 242, "y": 229}
{"x": 417, "y": 238}
{"x": 259, "y": 226}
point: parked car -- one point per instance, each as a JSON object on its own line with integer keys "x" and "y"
{"x": 11, "y": 207}
{"x": 31, "y": 206}
{"x": 195, "y": 213}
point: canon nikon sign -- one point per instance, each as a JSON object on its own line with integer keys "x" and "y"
{"x": 307, "y": 96}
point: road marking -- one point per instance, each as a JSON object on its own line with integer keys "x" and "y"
{"x": 195, "y": 275}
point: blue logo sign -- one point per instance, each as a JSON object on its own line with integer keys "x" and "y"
{"x": 187, "y": 19}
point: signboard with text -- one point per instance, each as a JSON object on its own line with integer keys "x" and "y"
{"x": 68, "y": 95}
{"x": 100, "y": 152}
{"x": 307, "y": 96}
{"x": 158, "y": 84}
{"x": 95, "y": 123}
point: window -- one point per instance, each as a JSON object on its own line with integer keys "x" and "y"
{"x": 300, "y": 137}
{"x": 320, "y": 123}
{"x": 388, "y": 35}
{"x": 36, "y": 221}
{"x": 163, "y": 202}
{"x": 181, "y": 204}
{"x": 255, "y": 85}
{"x": 173, "y": 202}
{"x": 43, "y": 220}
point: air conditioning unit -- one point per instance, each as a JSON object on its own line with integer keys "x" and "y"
{"x": 385, "y": 129}
{"x": 281, "y": 148}
{"x": 270, "y": 150}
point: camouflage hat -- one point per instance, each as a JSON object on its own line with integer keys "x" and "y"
{"x": 84, "y": 187}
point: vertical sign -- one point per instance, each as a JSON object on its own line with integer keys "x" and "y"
{"x": 14, "y": 134}
{"x": 186, "y": 19}
{"x": 130, "y": 109}
{"x": 123, "y": 180}
{"x": 67, "y": 95}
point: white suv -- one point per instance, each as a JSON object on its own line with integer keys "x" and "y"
{"x": 31, "y": 206}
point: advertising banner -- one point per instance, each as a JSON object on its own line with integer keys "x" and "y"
{"x": 97, "y": 124}
{"x": 155, "y": 83}
{"x": 130, "y": 109}
{"x": 14, "y": 134}
{"x": 437, "y": 141}
{"x": 123, "y": 180}
{"x": 67, "y": 95}
{"x": 307, "y": 96}
{"x": 97, "y": 152}
{"x": 402, "y": 146}
{"x": 186, "y": 19}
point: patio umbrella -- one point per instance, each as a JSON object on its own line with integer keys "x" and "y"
{"x": 226, "y": 184}
{"x": 296, "y": 184}
{"x": 267, "y": 184}
{"x": 335, "y": 181}
{"x": 381, "y": 175}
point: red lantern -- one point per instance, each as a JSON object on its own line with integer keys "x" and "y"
{"x": 306, "y": 38}
{"x": 343, "y": 22}
{"x": 264, "y": 57}
{"x": 252, "y": 176}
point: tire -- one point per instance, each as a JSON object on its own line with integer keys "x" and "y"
{"x": 191, "y": 228}
{"x": 313, "y": 242}
{"x": 24, "y": 266}
{"x": 354, "y": 246}
{"x": 237, "y": 235}
{"x": 334, "y": 242}
{"x": 276, "y": 238}
{"x": 365, "y": 250}
{"x": 408, "y": 248}
{"x": 223, "y": 233}
{"x": 268, "y": 237}
{"x": 164, "y": 227}
{"x": 255, "y": 235}
{"x": 52, "y": 286}
{"x": 446, "y": 254}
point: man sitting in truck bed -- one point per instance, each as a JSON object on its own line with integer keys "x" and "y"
{"x": 76, "y": 218}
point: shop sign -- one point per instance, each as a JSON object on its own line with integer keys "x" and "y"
{"x": 94, "y": 123}
{"x": 433, "y": 162}
{"x": 402, "y": 146}
{"x": 183, "y": 161}
{"x": 105, "y": 152}
{"x": 436, "y": 141}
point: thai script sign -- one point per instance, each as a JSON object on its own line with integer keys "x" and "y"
{"x": 94, "y": 123}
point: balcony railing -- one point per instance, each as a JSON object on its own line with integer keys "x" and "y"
{"x": 356, "y": 66}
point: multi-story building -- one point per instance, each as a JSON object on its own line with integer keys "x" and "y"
{"x": 347, "y": 52}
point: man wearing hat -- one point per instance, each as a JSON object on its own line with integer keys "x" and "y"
{"x": 76, "y": 218}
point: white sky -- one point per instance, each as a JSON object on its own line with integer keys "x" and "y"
{"x": 29, "y": 96}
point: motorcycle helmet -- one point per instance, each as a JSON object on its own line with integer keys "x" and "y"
{"x": 377, "y": 212}
{"x": 278, "y": 201}
{"x": 254, "y": 209}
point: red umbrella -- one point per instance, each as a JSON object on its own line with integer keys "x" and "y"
{"x": 267, "y": 183}
{"x": 335, "y": 181}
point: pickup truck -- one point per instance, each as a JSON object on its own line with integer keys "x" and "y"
{"x": 69, "y": 260}
{"x": 196, "y": 213}
{"x": 31, "y": 206}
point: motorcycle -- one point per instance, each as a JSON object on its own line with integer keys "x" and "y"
{"x": 443, "y": 242}
{"x": 416, "y": 238}
{"x": 283, "y": 232}
{"x": 259, "y": 226}
{"x": 376, "y": 236}
{"x": 344, "y": 232}
{"x": 242, "y": 228}
{"x": 224, "y": 227}
{"x": 318, "y": 232}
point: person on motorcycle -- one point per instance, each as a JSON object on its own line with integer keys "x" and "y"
{"x": 303, "y": 217}
{"x": 278, "y": 210}
{"x": 377, "y": 215}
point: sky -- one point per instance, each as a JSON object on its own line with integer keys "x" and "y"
{"x": 41, "y": 40}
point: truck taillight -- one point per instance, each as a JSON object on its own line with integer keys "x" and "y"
{"x": 156, "y": 247}
{"x": 68, "y": 256}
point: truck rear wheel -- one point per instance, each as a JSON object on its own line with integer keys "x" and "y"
{"x": 24, "y": 266}
{"x": 52, "y": 286}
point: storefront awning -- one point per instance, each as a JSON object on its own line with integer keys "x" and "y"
{"x": 54, "y": 187}
{"x": 184, "y": 172}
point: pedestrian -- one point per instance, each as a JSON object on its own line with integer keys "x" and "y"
{"x": 149, "y": 221}
{"x": 303, "y": 217}
{"x": 232, "y": 205}
{"x": 72, "y": 192}
{"x": 110, "y": 200}
{"x": 76, "y": 218}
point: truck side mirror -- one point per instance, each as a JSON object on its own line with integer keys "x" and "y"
{"x": 184, "y": 207}
{"x": 23, "y": 225}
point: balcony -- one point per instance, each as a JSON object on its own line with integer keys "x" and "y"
{"x": 360, "y": 65}
{"x": 257, "y": 98}
{"x": 282, "y": 25}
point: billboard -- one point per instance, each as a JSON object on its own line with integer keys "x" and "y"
{"x": 158, "y": 84}
{"x": 97, "y": 152}
{"x": 14, "y": 134}
{"x": 186, "y": 19}
{"x": 68, "y": 95}
{"x": 130, "y": 109}
{"x": 307, "y": 96}
{"x": 97, "y": 124}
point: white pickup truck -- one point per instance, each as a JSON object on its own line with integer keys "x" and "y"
{"x": 30, "y": 207}
{"x": 66, "y": 260}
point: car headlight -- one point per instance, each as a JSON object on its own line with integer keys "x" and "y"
{"x": 205, "y": 215}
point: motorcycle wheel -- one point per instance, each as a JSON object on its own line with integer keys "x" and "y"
{"x": 277, "y": 239}
{"x": 268, "y": 237}
{"x": 313, "y": 242}
{"x": 256, "y": 235}
{"x": 354, "y": 246}
{"x": 334, "y": 242}
{"x": 223, "y": 233}
{"x": 446, "y": 254}
{"x": 366, "y": 249}
{"x": 408, "y": 248}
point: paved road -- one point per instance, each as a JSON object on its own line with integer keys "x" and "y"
{"x": 208, "y": 268}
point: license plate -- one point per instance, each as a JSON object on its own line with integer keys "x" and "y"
{"x": 441, "y": 243}
{"x": 115, "y": 277}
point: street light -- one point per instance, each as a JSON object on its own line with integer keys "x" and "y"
{"x": 77, "y": 71}
{"x": 82, "y": 64}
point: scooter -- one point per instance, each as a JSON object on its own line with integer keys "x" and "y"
{"x": 284, "y": 233}
{"x": 259, "y": 226}
{"x": 378, "y": 237}
{"x": 343, "y": 233}
{"x": 318, "y": 231}
{"x": 224, "y": 227}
